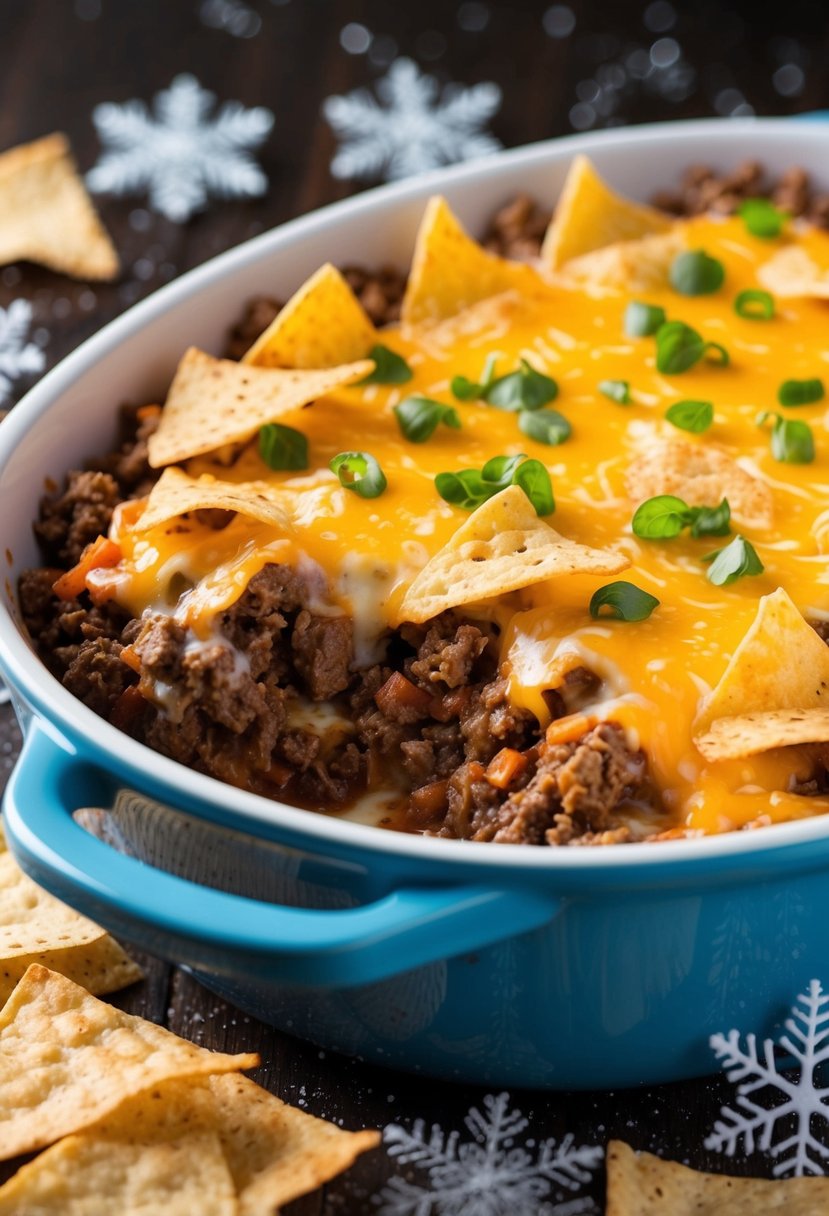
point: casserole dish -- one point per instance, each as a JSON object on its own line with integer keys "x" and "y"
{"x": 561, "y": 968}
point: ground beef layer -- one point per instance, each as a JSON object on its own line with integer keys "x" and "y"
{"x": 434, "y": 721}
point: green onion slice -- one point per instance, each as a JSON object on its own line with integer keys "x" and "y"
{"x": 544, "y": 426}
{"x": 282, "y": 447}
{"x": 616, "y": 390}
{"x": 418, "y": 417}
{"x": 623, "y": 602}
{"x": 694, "y": 416}
{"x": 389, "y": 367}
{"x": 754, "y": 305}
{"x": 792, "y": 441}
{"x": 695, "y": 273}
{"x": 679, "y": 347}
{"x": 468, "y": 488}
{"x": 360, "y": 472}
{"x": 737, "y": 560}
{"x": 525, "y": 389}
{"x": 642, "y": 320}
{"x": 665, "y": 516}
{"x": 762, "y": 218}
{"x": 473, "y": 390}
{"x": 800, "y": 392}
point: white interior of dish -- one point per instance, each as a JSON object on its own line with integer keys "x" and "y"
{"x": 71, "y": 413}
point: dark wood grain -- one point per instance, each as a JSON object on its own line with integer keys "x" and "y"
{"x": 59, "y": 60}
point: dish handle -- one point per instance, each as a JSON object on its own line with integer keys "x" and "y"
{"x": 206, "y": 928}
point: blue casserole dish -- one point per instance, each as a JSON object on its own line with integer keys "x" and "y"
{"x": 505, "y": 965}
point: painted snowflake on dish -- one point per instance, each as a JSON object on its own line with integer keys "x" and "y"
{"x": 414, "y": 127}
{"x": 786, "y": 1129}
{"x": 18, "y": 357}
{"x": 490, "y": 1175}
{"x": 180, "y": 154}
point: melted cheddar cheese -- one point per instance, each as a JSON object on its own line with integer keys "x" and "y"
{"x": 655, "y": 671}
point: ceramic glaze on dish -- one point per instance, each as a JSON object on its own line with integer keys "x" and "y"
{"x": 504, "y": 965}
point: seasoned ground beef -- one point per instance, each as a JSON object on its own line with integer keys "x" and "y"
{"x": 701, "y": 190}
{"x": 380, "y": 292}
{"x": 517, "y": 230}
{"x": 72, "y": 520}
{"x": 98, "y": 676}
{"x": 256, "y": 318}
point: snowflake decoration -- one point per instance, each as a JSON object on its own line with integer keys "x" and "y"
{"x": 803, "y": 1103}
{"x": 180, "y": 154}
{"x": 17, "y": 356}
{"x": 489, "y": 1176}
{"x": 416, "y": 128}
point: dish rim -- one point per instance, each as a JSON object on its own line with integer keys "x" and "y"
{"x": 63, "y": 712}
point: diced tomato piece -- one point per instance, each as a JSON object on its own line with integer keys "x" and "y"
{"x": 398, "y": 692}
{"x": 505, "y": 767}
{"x": 101, "y": 552}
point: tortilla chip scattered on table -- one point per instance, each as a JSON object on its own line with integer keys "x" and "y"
{"x": 450, "y": 271}
{"x": 589, "y": 215}
{"x": 67, "y": 1059}
{"x": 322, "y": 325}
{"x": 214, "y": 402}
{"x": 754, "y": 683}
{"x": 639, "y": 1184}
{"x": 37, "y": 928}
{"x": 749, "y": 734}
{"x": 46, "y": 214}
{"x": 640, "y": 266}
{"x": 791, "y": 274}
{"x": 702, "y": 475}
{"x": 176, "y": 493}
{"x": 502, "y": 547}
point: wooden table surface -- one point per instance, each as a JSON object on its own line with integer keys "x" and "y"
{"x": 560, "y": 68}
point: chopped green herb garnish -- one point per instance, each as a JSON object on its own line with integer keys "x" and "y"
{"x": 792, "y": 441}
{"x": 642, "y": 320}
{"x": 616, "y": 390}
{"x": 360, "y": 472}
{"x": 754, "y": 305}
{"x": 800, "y": 392}
{"x": 389, "y": 367}
{"x": 281, "y": 447}
{"x": 734, "y": 561}
{"x": 468, "y": 488}
{"x": 679, "y": 347}
{"x": 473, "y": 390}
{"x": 623, "y": 602}
{"x": 525, "y": 389}
{"x": 694, "y": 416}
{"x": 695, "y": 273}
{"x": 665, "y": 516}
{"x": 418, "y": 417}
{"x": 762, "y": 218}
{"x": 544, "y": 426}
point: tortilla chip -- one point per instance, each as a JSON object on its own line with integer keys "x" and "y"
{"x": 46, "y": 215}
{"x": 67, "y": 1059}
{"x": 275, "y": 1152}
{"x": 734, "y": 738}
{"x": 37, "y": 928}
{"x": 793, "y": 274}
{"x": 176, "y": 493}
{"x": 450, "y": 271}
{"x": 781, "y": 663}
{"x": 502, "y": 547}
{"x": 702, "y": 475}
{"x": 638, "y": 266}
{"x": 639, "y": 1184}
{"x": 131, "y": 1175}
{"x": 213, "y": 402}
{"x": 322, "y": 325}
{"x": 589, "y": 215}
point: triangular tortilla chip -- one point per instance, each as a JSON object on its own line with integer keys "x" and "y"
{"x": 67, "y": 1059}
{"x": 276, "y": 1152}
{"x": 702, "y": 476}
{"x": 46, "y": 215}
{"x": 502, "y": 547}
{"x": 450, "y": 271}
{"x": 37, "y": 928}
{"x": 639, "y": 1184}
{"x": 781, "y": 663}
{"x": 749, "y": 734}
{"x": 175, "y": 493}
{"x": 793, "y": 274}
{"x": 322, "y": 325}
{"x": 213, "y": 402}
{"x": 589, "y": 215}
{"x": 637, "y": 266}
